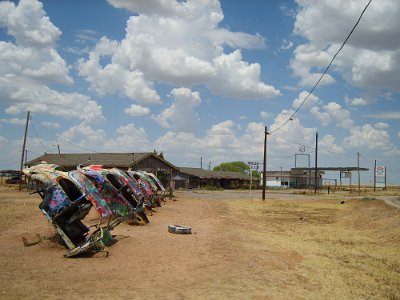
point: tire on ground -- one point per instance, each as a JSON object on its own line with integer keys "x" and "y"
{"x": 178, "y": 229}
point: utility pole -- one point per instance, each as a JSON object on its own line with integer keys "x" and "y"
{"x": 375, "y": 176}
{"x": 358, "y": 171}
{"x": 265, "y": 164}
{"x": 23, "y": 150}
{"x": 316, "y": 164}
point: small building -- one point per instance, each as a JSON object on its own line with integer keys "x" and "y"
{"x": 277, "y": 179}
{"x": 305, "y": 177}
{"x": 344, "y": 173}
{"x": 147, "y": 161}
{"x": 292, "y": 178}
{"x": 197, "y": 178}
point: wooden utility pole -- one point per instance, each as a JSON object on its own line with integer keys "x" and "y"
{"x": 358, "y": 172}
{"x": 316, "y": 164}
{"x": 375, "y": 176}
{"x": 23, "y": 150}
{"x": 265, "y": 164}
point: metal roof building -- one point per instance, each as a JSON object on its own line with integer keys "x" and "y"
{"x": 197, "y": 177}
{"x": 147, "y": 161}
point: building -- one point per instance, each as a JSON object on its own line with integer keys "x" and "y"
{"x": 305, "y": 177}
{"x": 193, "y": 177}
{"x": 197, "y": 178}
{"x": 150, "y": 162}
{"x": 147, "y": 161}
{"x": 293, "y": 178}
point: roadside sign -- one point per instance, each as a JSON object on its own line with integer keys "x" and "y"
{"x": 253, "y": 165}
{"x": 380, "y": 176}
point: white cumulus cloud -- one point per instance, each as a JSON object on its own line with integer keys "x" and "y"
{"x": 312, "y": 100}
{"x": 179, "y": 43}
{"x": 28, "y": 24}
{"x": 137, "y": 110}
{"x": 359, "y": 101}
{"x": 265, "y": 115}
{"x": 371, "y": 57}
{"x": 181, "y": 116}
{"x": 32, "y": 63}
{"x": 370, "y": 137}
{"x": 333, "y": 112}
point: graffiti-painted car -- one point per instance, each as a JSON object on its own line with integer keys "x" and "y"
{"x": 123, "y": 196}
{"x": 148, "y": 187}
{"x": 66, "y": 204}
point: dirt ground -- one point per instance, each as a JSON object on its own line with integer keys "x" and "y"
{"x": 214, "y": 262}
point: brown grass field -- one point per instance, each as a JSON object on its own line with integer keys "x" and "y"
{"x": 288, "y": 247}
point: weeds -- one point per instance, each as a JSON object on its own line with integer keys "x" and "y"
{"x": 348, "y": 251}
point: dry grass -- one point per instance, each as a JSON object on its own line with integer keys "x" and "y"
{"x": 339, "y": 251}
{"x": 13, "y": 210}
{"x": 315, "y": 248}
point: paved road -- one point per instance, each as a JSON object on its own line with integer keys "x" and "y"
{"x": 390, "y": 200}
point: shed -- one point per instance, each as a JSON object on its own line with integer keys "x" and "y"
{"x": 146, "y": 161}
{"x": 197, "y": 177}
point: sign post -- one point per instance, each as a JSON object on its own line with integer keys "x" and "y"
{"x": 380, "y": 175}
{"x": 252, "y": 166}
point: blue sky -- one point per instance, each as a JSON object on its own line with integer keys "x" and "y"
{"x": 201, "y": 79}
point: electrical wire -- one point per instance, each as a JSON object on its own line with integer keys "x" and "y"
{"x": 326, "y": 70}
{"x": 67, "y": 141}
{"x": 306, "y": 146}
{"x": 293, "y": 142}
{"x": 75, "y": 145}
{"x": 366, "y": 159}
{"x": 37, "y": 136}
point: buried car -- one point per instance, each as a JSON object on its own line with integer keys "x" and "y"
{"x": 146, "y": 186}
{"x": 65, "y": 204}
{"x": 120, "y": 194}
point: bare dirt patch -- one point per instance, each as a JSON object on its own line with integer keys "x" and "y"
{"x": 238, "y": 249}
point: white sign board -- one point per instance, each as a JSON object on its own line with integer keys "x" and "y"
{"x": 253, "y": 165}
{"x": 380, "y": 176}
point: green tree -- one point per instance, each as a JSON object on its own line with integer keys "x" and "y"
{"x": 235, "y": 166}
{"x": 256, "y": 174}
{"x": 159, "y": 154}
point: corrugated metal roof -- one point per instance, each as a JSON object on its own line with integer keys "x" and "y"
{"x": 115, "y": 159}
{"x": 201, "y": 173}
{"x": 348, "y": 169}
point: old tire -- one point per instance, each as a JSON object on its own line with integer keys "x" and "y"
{"x": 178, "y": 229}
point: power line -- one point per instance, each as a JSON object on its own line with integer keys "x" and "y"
{"x": 75, "y": 145}
{"x": 71, "y": 143}
{"x": 326, "y": 70}
{"x": 306, "y": 146}
{"x": 293, "y": 142}
{"x": 36, "y": 134}
{"x": 67, "y": 141}
{"x": 371, "y": 162}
